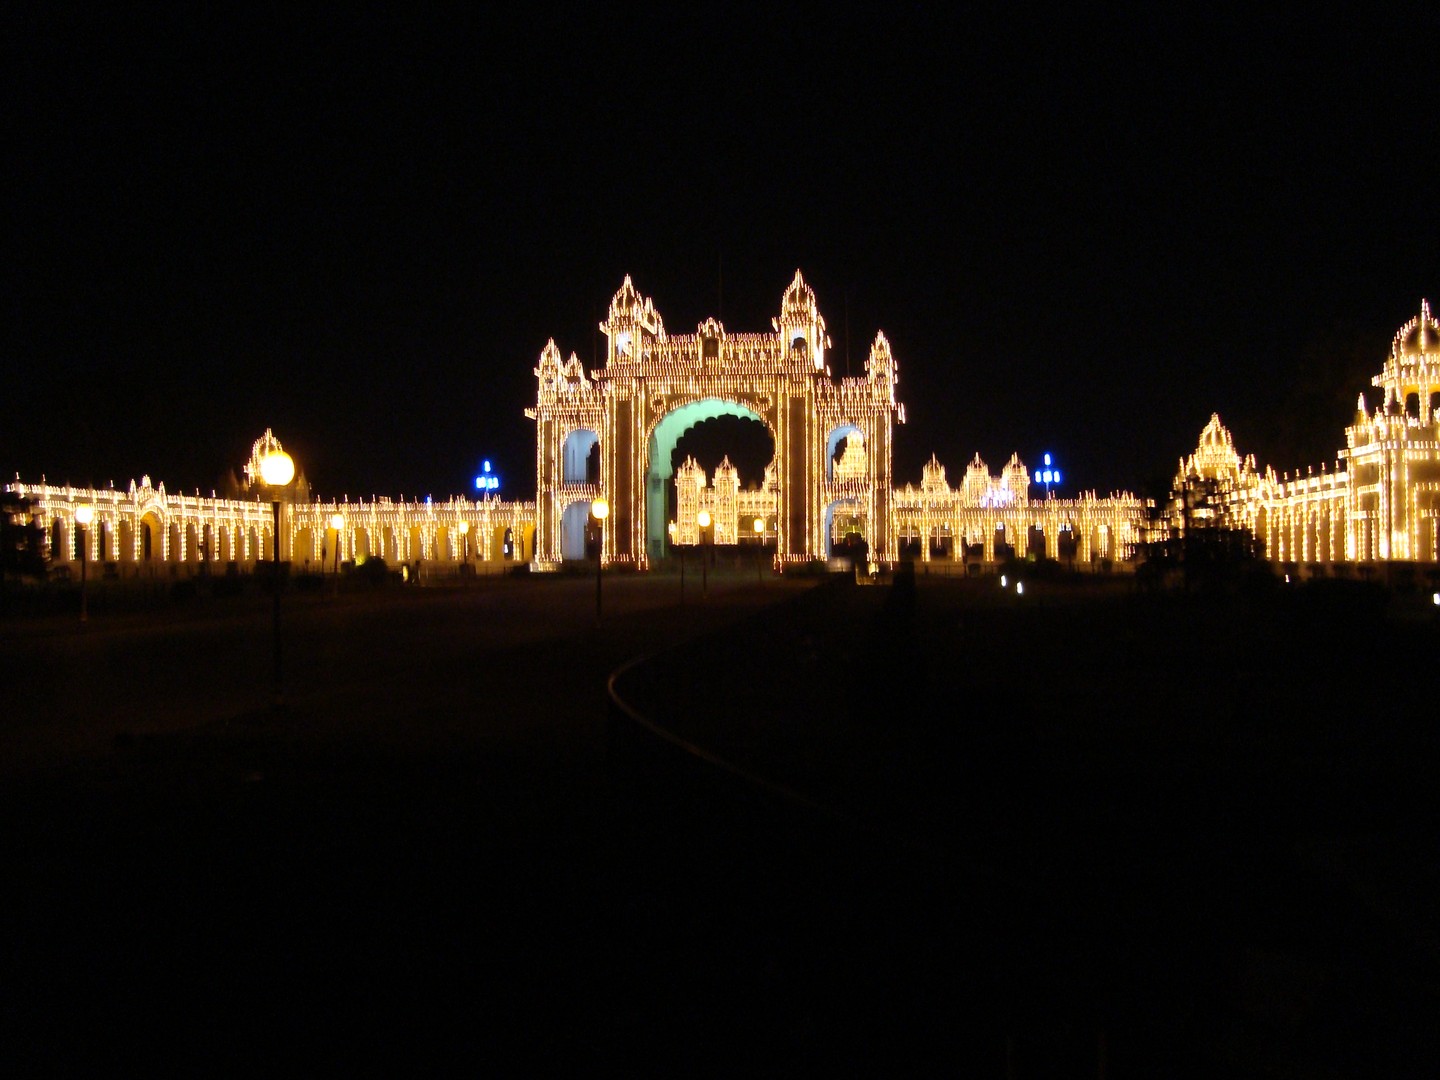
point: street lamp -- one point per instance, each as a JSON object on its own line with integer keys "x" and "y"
{"x": 337, "y": 523}
{"x": 277, "y": 469}
{"x": 671, "y": 529}
{"x": 601, "y": 509}
{"x": 759, "y": 550}
{"x": 703, "y": 520}
{"x": 464, "y": 545}
{"x": 84, "y": 515}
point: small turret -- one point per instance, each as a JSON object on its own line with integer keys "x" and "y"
{"x": 801, "y": 324}
{"x": 631, "y": 321}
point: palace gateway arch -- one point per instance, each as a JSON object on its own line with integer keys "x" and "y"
{"x": 832, "y": 437}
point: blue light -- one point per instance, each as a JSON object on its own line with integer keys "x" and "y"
{"x": 1047, "y": 459}
{"x": 1057, "y": 476}
{"x": 1048, "y": 474}
{"x": 487, "y": 480}
{"x": 1037, "y": 476}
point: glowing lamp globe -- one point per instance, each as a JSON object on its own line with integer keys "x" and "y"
{"x": 464, "y": 527}
{"x": 759, "y": 526}
{"x": 337, "y": 522}
{"x": 277, "y": 468}
{"x": 84, "y": 515}
{"x": 601, "y": 509}
{"x": 703, "y": 519}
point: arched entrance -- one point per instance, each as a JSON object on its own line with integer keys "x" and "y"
{"x": 654, "y": 386}
{"x": 303, "y": 545}
{"x": 572, "y": 530}
{"x": 834, "y": 447}
{"x": 150, "y": 542}
{"x": 581, "y": 454}
{"x": 660, "y": 473}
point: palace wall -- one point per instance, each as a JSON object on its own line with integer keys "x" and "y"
{"x": 1381, "y": 501}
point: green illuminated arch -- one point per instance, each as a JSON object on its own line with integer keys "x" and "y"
{"x": 663, "y": 440}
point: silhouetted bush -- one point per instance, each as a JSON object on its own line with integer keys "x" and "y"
{"x": 372, "y": 572}
{"x": 1339, "y": 599}
{"x": 813, "y": 568}
{"x": 229, "y": 585}
{"x": 309, "y": 583}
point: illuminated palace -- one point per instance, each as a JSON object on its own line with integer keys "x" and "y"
{"x": 611, "y": 434}
{"x": 831, "y": 475}
{"x": 1379, "y": 503}
{"x": 655, "y": 386}
{"x": 144, "y": 526}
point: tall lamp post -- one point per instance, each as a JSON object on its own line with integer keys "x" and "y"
{"x": 464, "y": 546}
{"x": 337, "y": 523}
{"x": 84, "y": 515}
{"x": 703, "y": 520}
{"x": 759, "y": 550}
{"x": 601, "y": 509}
{"x": 671, "y": 530}
{"x": 277, "y": 469}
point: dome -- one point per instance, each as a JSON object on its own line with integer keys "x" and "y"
{"x": 1419, "y": 336}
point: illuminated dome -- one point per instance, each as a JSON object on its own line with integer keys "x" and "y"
{"x": 1419, "y": 336}
{"x": 1215, "y": 456}
{"x": 263, "y": 447}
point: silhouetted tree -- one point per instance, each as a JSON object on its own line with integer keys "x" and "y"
{"x": 22, "y": 539}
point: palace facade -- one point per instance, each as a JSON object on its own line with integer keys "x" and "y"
{"x": 1381, "y": 501}
{"x": 144, "y": 528}
{"x": 830, "y": 480}
{"x": 611, "y": 434}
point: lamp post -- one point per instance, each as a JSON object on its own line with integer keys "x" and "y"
{"x": 601, "y": 509}
{"x": 337, "y": 523}
{"x": 671, "y": 530}
{"x": 759, "y": 550}
{"x": 464, "y": 546}
{"x": 703, "y": 520}
{"x": 84, "y": 515}
{"x": 277, "y": 469}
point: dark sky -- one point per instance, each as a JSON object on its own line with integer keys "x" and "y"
{"x": 1082, "y": 236}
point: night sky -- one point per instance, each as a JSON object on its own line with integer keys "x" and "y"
{"x": 1080, "y": 236}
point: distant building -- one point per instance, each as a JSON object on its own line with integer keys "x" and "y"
{"x": 1381, "y": 501}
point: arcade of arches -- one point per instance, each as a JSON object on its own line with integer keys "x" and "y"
{"x": 144, "y": 528}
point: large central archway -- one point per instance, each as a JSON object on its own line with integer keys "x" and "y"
{"x": 660, "y": 469}
{"x": 654, "y": 386}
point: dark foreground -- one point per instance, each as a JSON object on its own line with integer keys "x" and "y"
{"x": 1073, "y": 835}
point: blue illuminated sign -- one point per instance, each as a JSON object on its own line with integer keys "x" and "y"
{"x": 1047, "y": 475}
{"x": 487, "y": 480}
